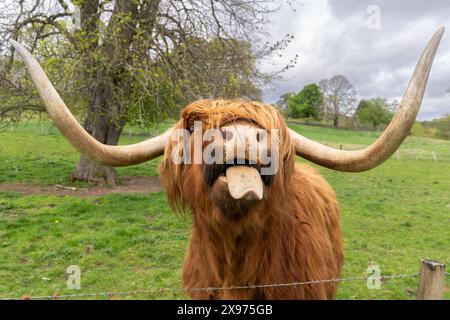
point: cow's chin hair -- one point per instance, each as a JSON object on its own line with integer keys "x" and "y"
{"x": 230, "y": 207}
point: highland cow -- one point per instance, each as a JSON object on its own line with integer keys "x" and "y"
{"x": 250, "y": 228}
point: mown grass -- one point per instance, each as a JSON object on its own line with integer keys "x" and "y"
{"x": 391, "y": 216}
{"x": 37, "y": 153}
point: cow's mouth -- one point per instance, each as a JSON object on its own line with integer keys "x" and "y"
{"x": 212, "y": 172}
{"x": 242, "y": 178}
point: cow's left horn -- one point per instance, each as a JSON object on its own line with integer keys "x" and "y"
{"x": 74, "y": 132}
{"x": 390, "y": 139}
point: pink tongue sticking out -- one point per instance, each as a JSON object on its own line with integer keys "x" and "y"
{"x": 244, "y": 183}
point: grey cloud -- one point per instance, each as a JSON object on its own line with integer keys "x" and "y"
{"x": 331, "y": 37}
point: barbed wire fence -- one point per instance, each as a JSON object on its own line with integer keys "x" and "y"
{"x": 213, "y": 289}
{"x": 429, "y": 287}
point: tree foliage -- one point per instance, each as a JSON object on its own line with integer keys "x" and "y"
{"x": 374, "y": 112}
{"x": 443, "y": 127}
{"x": 169, "y": 50}
{"x": 440, "y": 127}
{"x": 283, "y": 101}
{"x": 306, "y": 103}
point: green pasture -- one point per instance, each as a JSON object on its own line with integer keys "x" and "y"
{"x": 392, "y": 216}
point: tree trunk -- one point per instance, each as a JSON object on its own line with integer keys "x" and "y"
{"x": 335, "y": 112}
{"x": 88, "y": 171}
{"x": 92, "y": 172}
{"x": 99, "y": 125}
{"x": 104, "y": 119}
{"x": 336, "y": 121}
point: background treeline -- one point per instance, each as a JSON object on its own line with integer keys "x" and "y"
{"x": 437, "y": 128}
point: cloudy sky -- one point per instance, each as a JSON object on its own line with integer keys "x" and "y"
{"x": 332, "y": 37}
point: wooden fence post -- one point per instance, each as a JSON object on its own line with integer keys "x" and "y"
{"x": 431, "y": 281}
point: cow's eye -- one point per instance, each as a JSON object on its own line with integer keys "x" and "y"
{"x": 260, "y": 136}
{"x": 227, "y": 135}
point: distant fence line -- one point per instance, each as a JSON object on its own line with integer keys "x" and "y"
{"x": 330, "y": 126}
{"x": 414, "y": 154}
{"x": 401, "y": 153}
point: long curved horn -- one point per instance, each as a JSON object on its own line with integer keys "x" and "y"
{"x": 390, "y": 139}
{"x": 74, "y": 132}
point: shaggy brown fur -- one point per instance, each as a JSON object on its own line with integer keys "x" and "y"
{"x": 292, "y": 235}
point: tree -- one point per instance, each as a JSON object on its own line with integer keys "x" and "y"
{"x": 437, "y": 128}
{"x": 443, "y": 127}
{"x": 374, "y": 112}
{"x": 339, "y": 97}
{"x": 283, "y": 102}
{"x": 122, "y": 61}
{"x": 227, "y": 71}
{"x": 306, "y": 103}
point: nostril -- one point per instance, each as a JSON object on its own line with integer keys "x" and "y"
{"x": 260, "y": 136}
{"x": 227, "y": 135}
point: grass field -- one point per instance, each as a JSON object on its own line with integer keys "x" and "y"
{"x": 391, "y": 216}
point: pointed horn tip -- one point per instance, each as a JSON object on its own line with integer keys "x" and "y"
{"x": 14, "y": 43}
{"x": 441, "y": 29}
{"x": 437, "y": 37}
{"x": 439, "y": 33}
{"x": 21, "y": 50}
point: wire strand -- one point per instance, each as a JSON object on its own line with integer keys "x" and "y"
{"x": 209, "y": 289}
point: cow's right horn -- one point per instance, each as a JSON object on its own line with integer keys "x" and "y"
{"x": 390, "y": 139}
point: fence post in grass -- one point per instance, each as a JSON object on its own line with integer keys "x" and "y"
{"x": 431, "y": 280}
{"x": 433, "y": 154}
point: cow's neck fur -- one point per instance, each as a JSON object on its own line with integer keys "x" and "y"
{"x": 238, "y": 256}
{"x": 275, "y": 243}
